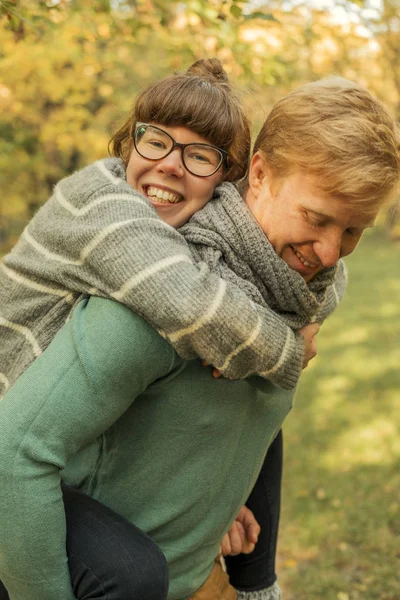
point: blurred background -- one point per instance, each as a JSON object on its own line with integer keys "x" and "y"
{"x": 69, "y": 72}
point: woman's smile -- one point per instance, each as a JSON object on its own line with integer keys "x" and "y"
{"x": 161, "y": 195}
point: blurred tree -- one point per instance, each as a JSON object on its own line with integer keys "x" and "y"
{"x": 69, "y": 70}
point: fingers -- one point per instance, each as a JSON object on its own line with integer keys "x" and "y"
{"x": 253, "y": 531}
{"x": 243, "y": 535}
{"x": 310, "y": 330}
{"x": 225, "y": 548}
{"x": 215, "y": 372}
{"x": 232, "y": 542}
{"x": 314, "y": 328}
{"x": 250, "y": 529}
{"x": 309, "y": 333}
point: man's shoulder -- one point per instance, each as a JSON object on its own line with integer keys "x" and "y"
{"x": 113, "y": 337}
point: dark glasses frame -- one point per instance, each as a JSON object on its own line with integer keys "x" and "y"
{"x": 182, "y": 147}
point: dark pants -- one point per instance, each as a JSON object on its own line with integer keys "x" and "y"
{"x": 109, "y": 558}
{"x": 256, "y": 571}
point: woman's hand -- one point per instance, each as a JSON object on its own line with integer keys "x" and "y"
{"x": 310, "y": 343}
{"x": 215, "y": 372}
{"x": 242, "y": 536}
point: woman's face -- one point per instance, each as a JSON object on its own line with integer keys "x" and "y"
{"x": 175, "y": 193}
{"x": 307, "y": 229}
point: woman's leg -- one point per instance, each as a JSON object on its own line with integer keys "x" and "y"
{"x": 108, "y": 556}
{"x": 256, "y": 571}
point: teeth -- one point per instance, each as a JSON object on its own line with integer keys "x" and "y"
{"x": 163, "y": 195}
{"x": 303, "y": 260}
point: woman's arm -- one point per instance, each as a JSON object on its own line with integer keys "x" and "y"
{"x": 89, "y": 375}
{"x": 97, "y": 235}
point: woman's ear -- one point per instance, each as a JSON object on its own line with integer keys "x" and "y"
{"x": 257, "y": 173}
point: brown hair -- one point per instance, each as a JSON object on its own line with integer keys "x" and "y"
{"x": 201, "y": 100}
{"x": 334, "y": 130}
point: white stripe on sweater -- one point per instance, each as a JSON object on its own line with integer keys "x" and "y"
{"x": 206, "y": 318}
{"x": 35, "y": 285}
{"x": 78, "y": 212}
{"x": 114, "y": 180}
{"x": 336, "y": 294}
{"x": 90, "y": 246}
{"x": 5, "y": 382}
{"x": 27, "y": 333}
{"x": 51, "y": 255}
{"x": 101, "y": 236}
{"x": 254, "y": 333}
{"x": 284, "y": 355}
{"x": 149, "y": 272}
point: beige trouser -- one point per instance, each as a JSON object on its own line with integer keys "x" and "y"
{"x": 217, "y": 586}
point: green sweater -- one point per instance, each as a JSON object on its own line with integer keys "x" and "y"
{"x": 117, "y": 413}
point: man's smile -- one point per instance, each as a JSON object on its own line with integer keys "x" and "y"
{"x": 303, "y": 260}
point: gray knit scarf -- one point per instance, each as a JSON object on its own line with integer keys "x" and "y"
{"x": 225, "y": 235}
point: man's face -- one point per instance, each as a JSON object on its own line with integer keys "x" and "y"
{"x": 307, "y": 229}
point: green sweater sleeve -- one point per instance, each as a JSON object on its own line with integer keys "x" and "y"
{"x": 89, "y": 375}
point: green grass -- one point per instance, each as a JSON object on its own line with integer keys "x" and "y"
{"x": 340, "y": 524}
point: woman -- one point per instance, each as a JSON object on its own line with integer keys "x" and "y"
{"x": 33, "y": 290}
{"x": 305, "y": 256}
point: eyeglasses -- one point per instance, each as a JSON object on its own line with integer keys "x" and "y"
{"x": 154, "y": 143}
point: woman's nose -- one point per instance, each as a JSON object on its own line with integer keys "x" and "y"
{"x": 171, "y": 164}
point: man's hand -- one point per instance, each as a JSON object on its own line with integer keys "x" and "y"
{"x": 242, "y": 536}
{"x": 310, "y": 343}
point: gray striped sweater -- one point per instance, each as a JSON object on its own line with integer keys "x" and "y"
{"x": 97, "y": 236}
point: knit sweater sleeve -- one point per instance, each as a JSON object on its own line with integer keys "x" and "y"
{"x": 102, "y": 359}
{"x": 334, "y": 293}
{"x": 96, "y": 235}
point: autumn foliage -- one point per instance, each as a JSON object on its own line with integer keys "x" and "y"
{"x": 69, "y": 71}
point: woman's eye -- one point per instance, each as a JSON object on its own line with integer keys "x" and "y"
{"x": 156, "y": 144}
{"x": 199, "y": 158}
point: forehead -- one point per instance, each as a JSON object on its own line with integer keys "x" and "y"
{"x": 181, "y": 134}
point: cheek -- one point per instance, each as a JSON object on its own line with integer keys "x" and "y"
{"x": 131, "y": 176}
{"x": 135, "y": 168}
{"x": 201, "y": 194}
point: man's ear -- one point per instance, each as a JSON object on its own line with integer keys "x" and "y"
{"x": 257, "y": 173}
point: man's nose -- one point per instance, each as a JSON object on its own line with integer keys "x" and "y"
{"x": 172, "y": 164}
{"x": 328, "y": 249}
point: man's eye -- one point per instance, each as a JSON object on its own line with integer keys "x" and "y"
{"x": 354, "y": 231}
{"x": 314, "y": 222}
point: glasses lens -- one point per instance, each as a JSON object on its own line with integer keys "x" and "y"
{"x": 201, "y": 159}
{"x": 151, "y": 142}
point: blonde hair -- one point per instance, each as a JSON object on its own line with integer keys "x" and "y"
{"x": 201, "y": 100}
{"x": 335, "y": 130}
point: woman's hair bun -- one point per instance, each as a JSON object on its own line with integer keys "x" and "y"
{"x": 209, "y": 68}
